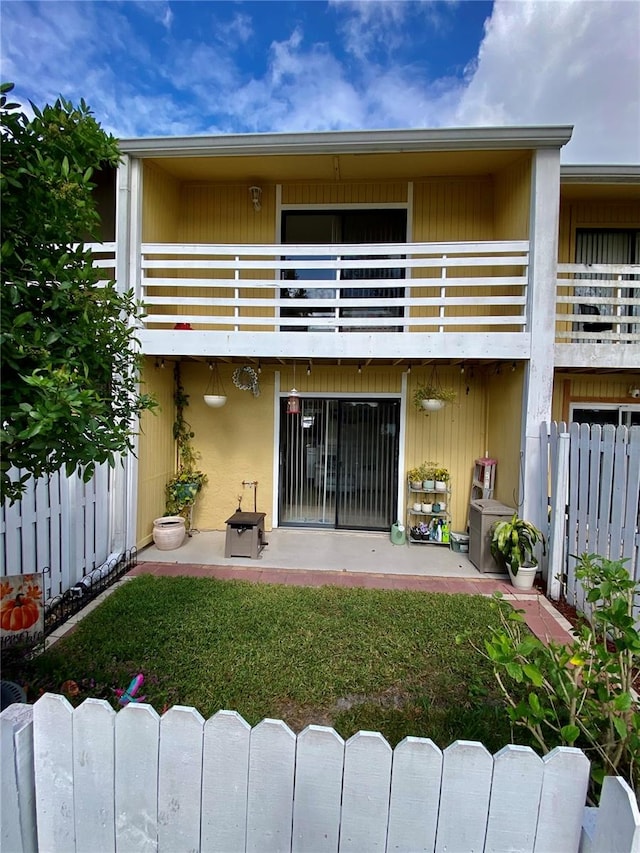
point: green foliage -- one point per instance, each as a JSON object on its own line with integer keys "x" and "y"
{"x": 513, "y": 542}
{"x": 69, "y": 370}
{"x": 182, "y": 489}
{"x": 580, "y": 694}
{"x": 424, "y": 471}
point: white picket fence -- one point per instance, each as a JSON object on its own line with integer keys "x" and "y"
{"x": 60, "y": 527}
{"x": 594, "y": 474}
{"x": 91, "y": 779}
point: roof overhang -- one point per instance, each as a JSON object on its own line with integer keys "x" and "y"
{"x": 351, "y": 142}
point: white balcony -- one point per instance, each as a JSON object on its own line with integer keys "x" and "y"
{"x": 596, "y": 305}
{"x": 454, "y": 299}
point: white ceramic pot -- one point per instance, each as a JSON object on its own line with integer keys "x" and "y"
{"x": 441, "y": 486}
{"x": 427, "y": 507}
{"x": 169, "y": 532}
{"x": 432, "y": 405}
{"x": 525, "y": 577}
{"x": 417, "y": 507}
{"x": 443, "y": 506}
{"x": 215, "y": 401}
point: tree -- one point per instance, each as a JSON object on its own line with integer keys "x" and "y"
{"x": 70, "y": 366}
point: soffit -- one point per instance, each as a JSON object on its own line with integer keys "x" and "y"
{"x": 338, "y": 167}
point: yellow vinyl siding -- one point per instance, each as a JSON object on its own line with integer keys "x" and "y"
{"x": 328, "y": 194}
{"x": 591, "y": 388}
{"x": 446, "y": 210}
{"x": 157, "y": 454}
{"x": 585, "y": 213}
{"x": 237, "y": 442}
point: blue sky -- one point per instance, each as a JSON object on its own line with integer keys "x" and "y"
{"x": 164, "y": 67}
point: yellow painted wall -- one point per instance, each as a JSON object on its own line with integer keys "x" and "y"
{"x": 160, "y": 205}
{"x": 342, "y": 193}
{"x": 513, "y": 201}
{"x": 504, "y": 401}
{"x": 156, "y": 455}
{"x": 591, "y": 388}
{"x": 598, "y": 213}
{"x": 237, "y": 441}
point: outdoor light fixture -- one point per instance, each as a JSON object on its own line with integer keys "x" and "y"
{"x": 256, "y": 196}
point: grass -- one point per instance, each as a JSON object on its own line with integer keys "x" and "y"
{"x": 382, "y": 660}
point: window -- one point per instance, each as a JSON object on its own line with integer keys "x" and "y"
{"x": 605, "y": 413}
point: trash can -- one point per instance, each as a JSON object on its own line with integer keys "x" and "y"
{"x": 482, "y": 515}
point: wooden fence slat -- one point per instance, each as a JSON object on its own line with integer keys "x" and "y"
{"x": 415, "y": 795}
{"x": 17, "y": 785}
{"x": 632, "y": 504}
{"x": 136, "y": 768}
{"x": 94, "y": 776}
{"x": 180, "y": 779}
{"x": 619, "y": 492}
{"x": 515, "y": 798}
{"x": 317, "y": 790}
{"x": 272, "y": 752}
{"x": 365, "y": 793}
{"x": 225, "y": 775}
{"x": 564, "y": 792}
{"x": 618, "y": 819}
{"x": 467, "y": 770}
{"x": 53, "y": 761}
{"x": 12, "y": 536}
{"x": 605, "y": 475}
{"x": 101, "y": 505}
{"x": 573, "y": 547}
{"x": 55, "y": 535}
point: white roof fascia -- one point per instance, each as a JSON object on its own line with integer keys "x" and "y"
{"x": 350, "y": 142}
{"x": 599, "y": 174}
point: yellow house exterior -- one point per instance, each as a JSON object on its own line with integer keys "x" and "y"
{"x": 485, "y": 219}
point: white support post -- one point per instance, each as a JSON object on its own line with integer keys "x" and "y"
{"x": 541, "y": 298}
{"x": 557, "y": 532}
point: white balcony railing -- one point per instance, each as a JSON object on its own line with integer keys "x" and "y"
{"x": 598, "y": 303}
{"x": 424, "y": 287}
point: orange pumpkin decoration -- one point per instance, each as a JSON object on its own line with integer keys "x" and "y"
{"x": 19, "y": 613}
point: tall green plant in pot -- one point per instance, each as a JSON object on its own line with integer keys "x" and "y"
{"x": 183, "y": 488}
{"x": 512, "y": 546}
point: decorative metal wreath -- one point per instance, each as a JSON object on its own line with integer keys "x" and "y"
{"x": 246, "y": 379}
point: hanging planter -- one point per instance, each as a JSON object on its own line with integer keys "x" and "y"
{"x": 432, "y": 397}
{"x": 214, "y": 395}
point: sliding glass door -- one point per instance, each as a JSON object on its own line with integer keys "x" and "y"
{"x": 339, "y": 464}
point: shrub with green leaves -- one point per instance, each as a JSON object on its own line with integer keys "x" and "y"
{"x": 579, "y": 694}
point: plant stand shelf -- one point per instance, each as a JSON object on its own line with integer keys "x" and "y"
{"x": 414, "y": 516}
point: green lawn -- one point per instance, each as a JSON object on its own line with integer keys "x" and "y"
{"x": 384, "y": 660}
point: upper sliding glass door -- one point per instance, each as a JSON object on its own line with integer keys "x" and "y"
{"x": 347, "y": 226}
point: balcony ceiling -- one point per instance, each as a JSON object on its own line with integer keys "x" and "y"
{"x": 279, "y": 168}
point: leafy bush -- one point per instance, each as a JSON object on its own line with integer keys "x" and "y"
{"x": 579, "y": 694}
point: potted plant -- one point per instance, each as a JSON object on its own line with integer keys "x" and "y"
{"x": 512, "y": 546}
{"x": 441, "y": 477}
{"x": 429, "y": 476}
{"x": 430, "y": 398}
{"x": 415, "y": 476}
{"x": 182, "y": 489}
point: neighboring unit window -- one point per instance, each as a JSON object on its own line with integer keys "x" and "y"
{"x": 346, "y": 226}
{"x": 605, "y": 413}
{"x": 610, "y": 246}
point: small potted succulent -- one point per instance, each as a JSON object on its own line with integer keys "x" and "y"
{"x": 429, "y": 481}
{"x": 512, "y": 546}
{"x": 441, "y": 477}
{"x": 415, "y": 476}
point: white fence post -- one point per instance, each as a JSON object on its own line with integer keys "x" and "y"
{"x": 466, "y": 787}
{"x": 53, "y": 759}
{"x": 558, "y": 519}
{"x": 616, "y": 824}
{"x": 416, "y": 776}
{"x": 365, "y": 795}
{"x": 18, "y": 832}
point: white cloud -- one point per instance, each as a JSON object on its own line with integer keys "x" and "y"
{"x": 570, "y": 62}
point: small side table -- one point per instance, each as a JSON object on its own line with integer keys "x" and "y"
{"x": 245, "y": 535}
